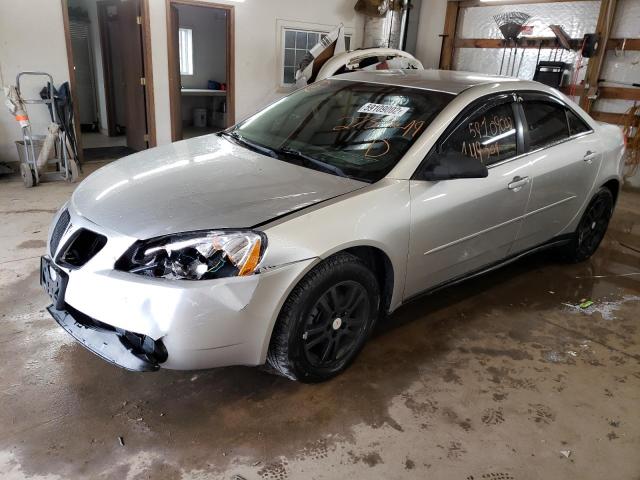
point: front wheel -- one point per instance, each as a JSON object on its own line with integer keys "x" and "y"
{"x": 325, "y": 321}
{"x": 592, "y": 227}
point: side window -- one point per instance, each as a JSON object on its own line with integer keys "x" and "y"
{"x": 489, "y": 137}
{"x": 547, "y": 123}
{"x": 576, "y": 124}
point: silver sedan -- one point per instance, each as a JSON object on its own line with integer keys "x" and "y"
{"x": 284, "y": 239}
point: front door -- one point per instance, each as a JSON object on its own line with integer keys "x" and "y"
{"x": 459, "y": 226}
{"x": 564, "y": 163}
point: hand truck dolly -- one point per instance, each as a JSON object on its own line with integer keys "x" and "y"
{"x": 31, "y": 144}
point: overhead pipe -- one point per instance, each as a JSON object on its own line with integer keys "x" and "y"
{"x": 385, "y": 22}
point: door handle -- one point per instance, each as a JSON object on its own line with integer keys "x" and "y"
{"x": 589, "y": 156}
{"x": 518, "y": 182}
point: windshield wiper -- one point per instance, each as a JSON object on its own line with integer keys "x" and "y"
{"x": 309, "y": 160}
{"x": 303, "y": 159}
{"x": 256, "y": 147}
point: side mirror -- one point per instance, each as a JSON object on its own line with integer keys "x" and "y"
{"x": 452, "y": 165}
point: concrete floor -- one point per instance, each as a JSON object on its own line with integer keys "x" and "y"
{"x": 493, "y": 379}
{"x": 98, "y": 140}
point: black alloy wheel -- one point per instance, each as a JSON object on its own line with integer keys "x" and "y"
{"x": 592, "y": 227}
{"x": 335, "y": 323}
{"x": 325, "y": 321}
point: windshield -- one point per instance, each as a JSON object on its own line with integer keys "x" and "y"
{"x": 352, "y": 129}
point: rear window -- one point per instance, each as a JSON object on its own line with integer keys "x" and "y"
{"x": 547, "y": 123}
{"x": 354, "y": 129}
{"x": 576, "y": 125}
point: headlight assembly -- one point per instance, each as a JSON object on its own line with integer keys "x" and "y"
{"x": 196, "y": 255}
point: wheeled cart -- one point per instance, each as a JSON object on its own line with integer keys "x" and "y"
{"x": 61, "y": 155}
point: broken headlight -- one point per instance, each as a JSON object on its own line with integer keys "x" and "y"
{"x": 196, "y": 256}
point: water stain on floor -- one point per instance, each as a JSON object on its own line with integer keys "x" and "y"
{"x": 484, "y": 380}
{"x": 32, "y": 244}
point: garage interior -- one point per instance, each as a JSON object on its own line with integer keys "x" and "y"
{"x": 531, "y": 371}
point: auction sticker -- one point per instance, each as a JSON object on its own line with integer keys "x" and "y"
{"x": 380, "y": 109}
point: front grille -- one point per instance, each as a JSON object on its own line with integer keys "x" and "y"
{"x": 58, "y": 231}
{"x": 82, "y": 247}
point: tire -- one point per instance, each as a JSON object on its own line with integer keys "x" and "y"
{"x": 592, "y": 227}
{"x": 27, "y": 175}
{"x": 325, "y": 321}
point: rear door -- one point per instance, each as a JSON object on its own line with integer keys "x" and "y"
{"x": 564, "y": 159}
{"x": 459, "y": 226}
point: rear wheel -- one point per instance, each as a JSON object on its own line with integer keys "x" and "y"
{"x": 325, "y": 321}
{"x": 592, "y": 227}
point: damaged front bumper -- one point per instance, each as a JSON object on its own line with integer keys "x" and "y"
{"x": 130, "y": 320}
{"x": 126, "y": 349}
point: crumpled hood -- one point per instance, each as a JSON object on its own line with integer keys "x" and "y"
{"x": 201, "y": 183}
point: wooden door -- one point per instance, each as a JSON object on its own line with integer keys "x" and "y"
{"x": 174, "y": 74}
{"x": 131, "y": 42}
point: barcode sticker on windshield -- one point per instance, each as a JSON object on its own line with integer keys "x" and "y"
{"x": 380, "y": 109}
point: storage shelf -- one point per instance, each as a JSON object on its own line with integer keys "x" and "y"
{"x": 203, "y": 92}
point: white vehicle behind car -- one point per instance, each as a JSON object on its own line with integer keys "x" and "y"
{"x": 368, "y": 59}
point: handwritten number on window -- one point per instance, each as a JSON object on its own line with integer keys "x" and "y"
{"x": 385, "y": 145}
{"x": 482, "y": 143}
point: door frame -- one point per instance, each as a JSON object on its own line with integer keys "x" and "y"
{"x": 230, "y": 57}
{"x": 148, "y": 73}
{"x": 72, "y": 78}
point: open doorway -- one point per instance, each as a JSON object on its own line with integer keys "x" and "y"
{"x": 110, "y": 73}
{"x": 201, "y": 80}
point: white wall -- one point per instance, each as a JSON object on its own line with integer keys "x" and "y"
{"x": 31, "y": 38}
{"x": 256, "y": 57}
{"x": 431, "y": 25}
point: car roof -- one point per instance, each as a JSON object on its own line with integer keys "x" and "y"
{"x": 448, "y": 81}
